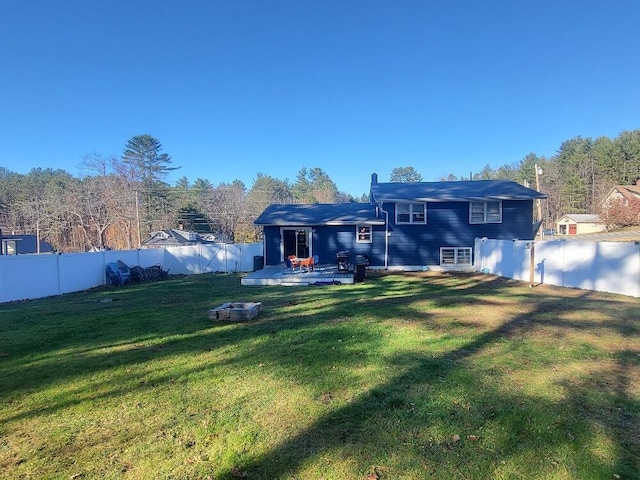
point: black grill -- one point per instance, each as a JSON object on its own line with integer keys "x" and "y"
{"x": 343, "y": 261}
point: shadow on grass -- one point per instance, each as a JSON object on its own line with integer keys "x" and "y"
{"x": 433, "y": 395}
{"x": 515, "y": 424}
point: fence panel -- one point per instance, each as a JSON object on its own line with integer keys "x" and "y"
{"x": 36, "y": 276}
{"x": 80, "y": 271}
{"x": 234, "y": 257}
{"x": 603, "y": 266}
{"x": 522, "y": 260}
{"x": 549, "y": 261}
{"x": 612, "y": 267}
{"x": 190, "y": 260}
{"x": 28, "y": 276}
{"x": 495, "y": 256}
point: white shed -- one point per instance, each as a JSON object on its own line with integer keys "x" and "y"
{"x": 579, "y": 223}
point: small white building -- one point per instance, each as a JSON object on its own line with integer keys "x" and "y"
{"x": 579, "y": 223}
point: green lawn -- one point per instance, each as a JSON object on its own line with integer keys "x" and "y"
{"x": 405, "y": 376}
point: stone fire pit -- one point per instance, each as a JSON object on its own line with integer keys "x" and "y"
{"x": 235, "y": 311}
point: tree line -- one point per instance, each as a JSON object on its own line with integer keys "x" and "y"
{"x": 118, "y": 201}
{"x": 579, "y": 176}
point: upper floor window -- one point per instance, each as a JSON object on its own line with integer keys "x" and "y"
{"x": 411, "y": 213}
{"x": 363, "y": 234}
{"x": 485, "y": 212}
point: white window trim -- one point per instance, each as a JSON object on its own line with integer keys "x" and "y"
{"x": 485, "y": 205}
{"x": 457, "y": 254}
{"x": 370, "y": 231}
{"x": 411, "y": 221}
{"x": 9, "y": 247}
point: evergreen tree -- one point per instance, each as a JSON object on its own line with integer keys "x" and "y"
{"x": 148, "y": 167}
{"x": 405, "y": 175}
{"x": 143, "y": 154}
{"x": 314, "y": 186}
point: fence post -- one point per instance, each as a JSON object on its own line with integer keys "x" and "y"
{"x": 514, "y": 261}
{"x": 563, "y": 256}
{"x": 58, "y": 273}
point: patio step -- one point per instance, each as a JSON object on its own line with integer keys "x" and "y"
{"x": 277, "y": 275}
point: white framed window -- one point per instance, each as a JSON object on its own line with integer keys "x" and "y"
{"x": 363, "y": 233}
{"x": 485, "y": 212}
{"x": 9, "y": 247}
{"x": 455, "y": 255}
{"x": 411, "y": 213}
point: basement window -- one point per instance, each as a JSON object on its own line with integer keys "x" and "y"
{"x": 455, "y": 255}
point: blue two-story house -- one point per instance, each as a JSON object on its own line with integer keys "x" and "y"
{"x": 405, "y": 226}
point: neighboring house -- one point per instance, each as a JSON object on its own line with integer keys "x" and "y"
{"x": 406, "y": 225}
{"x": 175, "y": 238}
{"x": 579, "y": 223}
{"x": 626, "y": 193}
{"x": 23, "y": 244}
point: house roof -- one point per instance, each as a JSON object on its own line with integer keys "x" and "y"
{"x": 581, "y": 218}
{"x": 27, "y": 243}
{"x": 628, "y": 192}
{"x": 456, "y": 191}
{"x": 319, "y": 214}
{"x": 174, "y": 237}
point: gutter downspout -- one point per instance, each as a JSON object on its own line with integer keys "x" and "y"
{"x": 386, "y": 236}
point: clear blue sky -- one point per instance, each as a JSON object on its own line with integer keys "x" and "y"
{"x": 232, "y": 88}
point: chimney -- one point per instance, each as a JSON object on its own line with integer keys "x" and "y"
{"x": 374, "y": 178}
{"x": 638, "y": 182}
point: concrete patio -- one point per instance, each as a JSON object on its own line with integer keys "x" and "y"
{"x": 279, "y": 275}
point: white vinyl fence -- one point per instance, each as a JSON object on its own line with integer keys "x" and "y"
{"x": 35, "y": 276}
{"x": 612, "y": 267}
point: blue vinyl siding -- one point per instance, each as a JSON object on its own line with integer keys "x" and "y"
{"x": 412, "y": 244}
{"x": 25, "y": 244}
{"x": 448, "y": 226}
{"x": 329, "y": 240}
{"x": 272, "y": 245}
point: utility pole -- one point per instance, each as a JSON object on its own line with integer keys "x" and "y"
{"x": 539, "y": 205}
{"x": 138, "y": 221}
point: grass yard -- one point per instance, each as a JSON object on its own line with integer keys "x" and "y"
{"x": 405, "y": 376}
